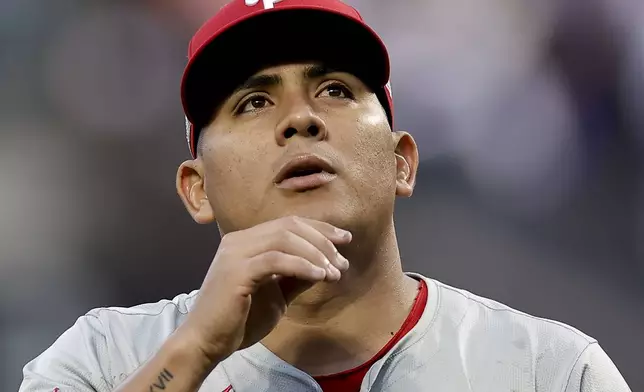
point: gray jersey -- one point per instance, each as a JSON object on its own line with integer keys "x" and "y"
{"x": 461, "y": 343}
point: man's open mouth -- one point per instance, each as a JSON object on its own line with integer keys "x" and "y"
{"x": 305, "y": 172}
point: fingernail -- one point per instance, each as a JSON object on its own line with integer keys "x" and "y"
{"x": 343, "y": 233}
{"x": 333, "y": 270}
{"x": 342, "y": 261}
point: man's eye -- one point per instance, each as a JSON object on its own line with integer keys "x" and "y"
{"x": 336, "y": 90}
{"x": 253, "y": 103}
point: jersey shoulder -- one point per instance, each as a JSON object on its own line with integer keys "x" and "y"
{"x": 464, "y": 341}
{"x": 146, "y": 325}
{"x": 104, "y": 346}
{"x": 180, "y": 304}
{"x": 498, "y": 338}
{"x": 492, "y": 315}
{"x": 133, "y": 334}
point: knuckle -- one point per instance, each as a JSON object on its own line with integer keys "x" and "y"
{"x": 322, "y": 260}
{"x": 318, "y": 258}
{"x": 292, "y": 221}
{"x": 329, "y": 247}
{"x": 272, "y": 256}
{"x": 284, "y": 238}
{"x": 224, "y": 251}
{"x": 271, "y": 259}
{"x": 228, "y": 239}
{"x": 231, "y": 245}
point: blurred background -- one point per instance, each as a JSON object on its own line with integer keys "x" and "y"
{"x": 527, "y": 113}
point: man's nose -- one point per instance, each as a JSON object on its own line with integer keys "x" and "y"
{"x": 301, "y": 121}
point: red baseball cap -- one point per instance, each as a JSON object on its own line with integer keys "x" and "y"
{"x": 248, "y": 35}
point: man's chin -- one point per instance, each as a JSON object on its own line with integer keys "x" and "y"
{"x": 319, "y": 212}
{"x": 326, "y": 210}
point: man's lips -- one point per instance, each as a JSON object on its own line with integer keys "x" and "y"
{"x": 308, "y": 182}
{"x": 305, "y": 172}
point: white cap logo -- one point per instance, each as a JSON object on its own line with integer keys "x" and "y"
{"x": 267, "y": 3}
{"x": 188, "y": 132}
{"x": 388, "y": 87}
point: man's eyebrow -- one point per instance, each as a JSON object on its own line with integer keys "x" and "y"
{"x": 259, "y": 81}
{"x": 270, "y": 80}
{"x": 317, "y": 71}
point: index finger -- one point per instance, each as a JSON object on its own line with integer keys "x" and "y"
{"x": 328, "y": 230}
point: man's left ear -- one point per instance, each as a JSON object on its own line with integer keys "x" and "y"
{"x": 406, "y": 163}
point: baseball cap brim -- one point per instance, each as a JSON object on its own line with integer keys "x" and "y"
{"x": 291, "y": 33}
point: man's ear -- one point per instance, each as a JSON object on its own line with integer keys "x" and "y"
{"x": 191, "y": 189}
{"x": 406, "y": 163}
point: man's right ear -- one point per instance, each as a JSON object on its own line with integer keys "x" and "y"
{"x": 191, "y": 189}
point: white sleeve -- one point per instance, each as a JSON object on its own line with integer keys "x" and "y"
{"x": 72, "y": 363}
{"x": 595, "y": 372}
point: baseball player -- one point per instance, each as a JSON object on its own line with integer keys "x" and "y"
{"x": 290, "y": 126}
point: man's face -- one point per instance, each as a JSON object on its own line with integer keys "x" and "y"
{"x": 298, "y": 113}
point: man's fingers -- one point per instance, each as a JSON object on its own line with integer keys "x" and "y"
{"x": 272, "y": 263}
{"x": 336, "y": 235}
{"x": 321, "y": 242}
{"x": 312, "y": 240}
{"x": 293, "y": 244}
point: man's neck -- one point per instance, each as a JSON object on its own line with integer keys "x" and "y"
{"x": 337, "y": 326}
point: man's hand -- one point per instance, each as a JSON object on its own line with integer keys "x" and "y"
{"x": 254, "y": 276}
